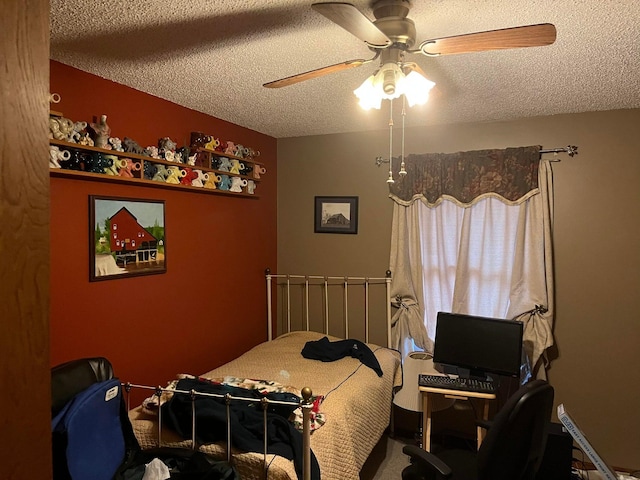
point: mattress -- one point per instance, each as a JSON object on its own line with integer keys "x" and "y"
{"x": 356, "y": 406}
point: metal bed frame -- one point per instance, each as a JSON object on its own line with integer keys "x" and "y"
{"x": 305, "y": 404}
{"x": 306, "y": 281}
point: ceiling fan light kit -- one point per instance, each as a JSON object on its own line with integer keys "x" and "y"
{"x": 390, "y": 82}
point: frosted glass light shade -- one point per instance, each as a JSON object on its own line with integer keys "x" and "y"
{"x": 416, "y": 88}
{"x": 368, "y": 95}
{"x": 388, "y": 83}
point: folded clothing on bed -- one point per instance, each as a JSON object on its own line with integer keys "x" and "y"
{"x": 328, "y": 351}
{"x": 246, "y": 420}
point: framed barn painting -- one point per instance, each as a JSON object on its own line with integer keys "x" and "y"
{"x": 336, "y": 215}
{"x": 126, "y": 238}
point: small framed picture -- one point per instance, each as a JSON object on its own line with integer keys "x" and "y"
{"x": 126, "y": 238}
{"x": 336, "y": 215}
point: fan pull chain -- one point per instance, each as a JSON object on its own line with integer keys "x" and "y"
{"x": 402, "y": 171}
{"x": 390, "y": 179}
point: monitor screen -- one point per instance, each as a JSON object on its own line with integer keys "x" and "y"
{"x": 478, "y": 346}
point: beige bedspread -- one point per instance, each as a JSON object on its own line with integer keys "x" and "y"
{"x": 357, "y": 405}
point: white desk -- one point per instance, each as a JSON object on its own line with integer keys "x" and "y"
{"x": 431, "y": 395}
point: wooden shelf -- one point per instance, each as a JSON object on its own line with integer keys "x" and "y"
{"x": 79, "y": 174}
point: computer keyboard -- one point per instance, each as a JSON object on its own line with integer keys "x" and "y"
{"x": 456, "y": 383}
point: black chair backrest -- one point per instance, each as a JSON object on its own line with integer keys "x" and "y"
{"x": 515, "y": 443}
{"x": 71, "y": 378}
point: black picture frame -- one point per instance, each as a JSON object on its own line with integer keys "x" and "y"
{"x": 336, "y": 215}
{"x": 127, "y": 237}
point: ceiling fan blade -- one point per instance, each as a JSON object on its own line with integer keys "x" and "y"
{"x": 414, "y": 66}
{"x": 301, "y": 77}
{"x": 353, "y": 21}
{"x": 516, "y": 37}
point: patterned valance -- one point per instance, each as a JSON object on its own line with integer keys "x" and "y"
{"x": 465, "y": 177}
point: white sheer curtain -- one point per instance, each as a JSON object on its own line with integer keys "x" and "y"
{"x": 490, "y": 256}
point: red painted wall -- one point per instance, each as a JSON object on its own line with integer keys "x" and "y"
{"x": 210, "y": 305}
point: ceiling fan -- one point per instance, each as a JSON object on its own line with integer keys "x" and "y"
{"x": 392, "y": 36}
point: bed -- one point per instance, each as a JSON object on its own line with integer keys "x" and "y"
{"x": 356, "y": 401}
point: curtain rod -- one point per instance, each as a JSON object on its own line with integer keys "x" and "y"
{"x": 570, "y": 149}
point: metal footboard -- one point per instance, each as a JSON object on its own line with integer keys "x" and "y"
{"x": 306, "y": 405}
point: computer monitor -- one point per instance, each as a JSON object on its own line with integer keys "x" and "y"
{"x": 478, "y": 346}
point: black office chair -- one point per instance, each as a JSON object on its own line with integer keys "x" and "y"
{"x": 512, "y": 449}
{"x": 71, "y": 378}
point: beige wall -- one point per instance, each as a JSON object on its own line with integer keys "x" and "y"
{"x": 597, "y": 240}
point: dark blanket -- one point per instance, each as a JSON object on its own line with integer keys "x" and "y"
{"x": 327, "y": 351}
{"x": 246, "y": 419}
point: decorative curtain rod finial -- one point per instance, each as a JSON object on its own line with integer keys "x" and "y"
{"x": 571, "y": 150}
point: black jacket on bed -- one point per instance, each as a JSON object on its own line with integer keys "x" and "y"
{"x": 327, "y": 351}
{"x": 246, "y": 419}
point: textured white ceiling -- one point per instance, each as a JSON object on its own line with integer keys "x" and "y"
{"x": 214, "y": 55}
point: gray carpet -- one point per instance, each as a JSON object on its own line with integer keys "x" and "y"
{"x": 386, "y": 461}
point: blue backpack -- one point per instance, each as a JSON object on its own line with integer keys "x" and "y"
{"x": 91, "y": 428}
{"x": 92, "y": 436}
